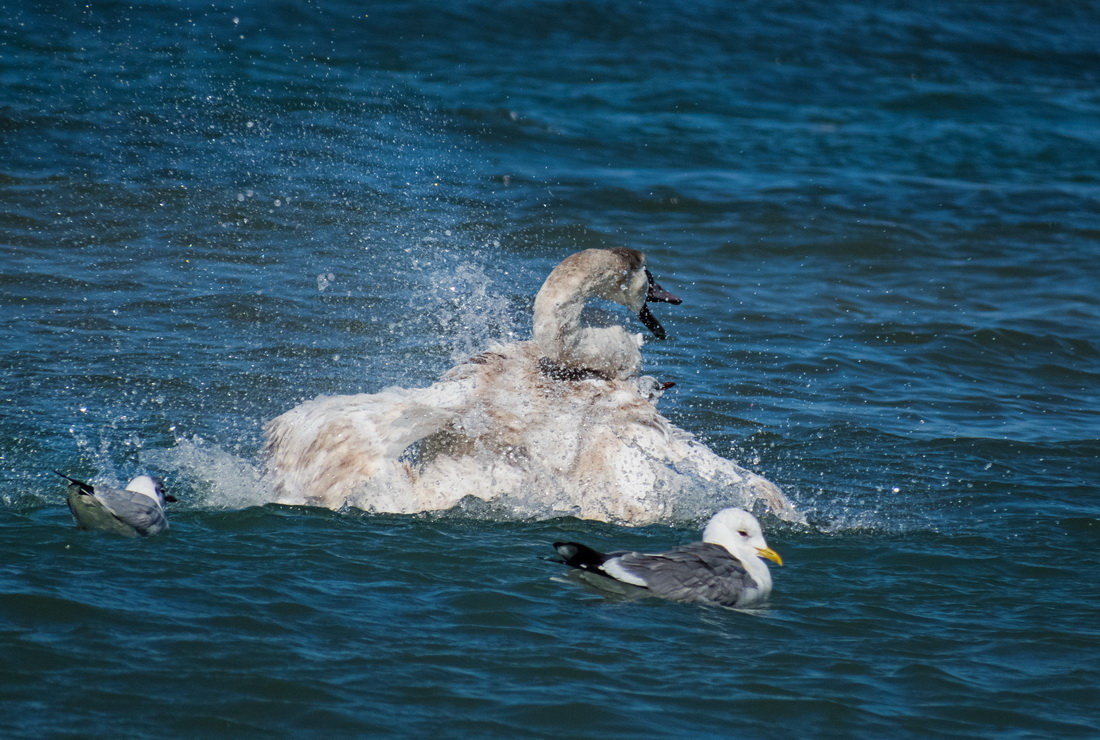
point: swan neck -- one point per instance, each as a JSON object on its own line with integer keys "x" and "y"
{"x": 557, "y": 311}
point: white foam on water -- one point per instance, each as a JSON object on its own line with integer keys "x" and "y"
{"x": 218, "y": 479}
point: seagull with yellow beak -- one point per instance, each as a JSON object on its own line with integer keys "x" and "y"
{"x": 726, "y": 568}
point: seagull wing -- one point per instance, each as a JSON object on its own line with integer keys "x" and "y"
{"x": 134, "y": 509}
{"x": 699, "y": 572}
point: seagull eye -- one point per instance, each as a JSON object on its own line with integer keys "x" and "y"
{"x": 743, "y": 533}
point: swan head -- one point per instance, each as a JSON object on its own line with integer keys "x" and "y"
{"x": 618, "y": 274}
{"x": 633, "y": 286}
{"x": 622, "y": 276}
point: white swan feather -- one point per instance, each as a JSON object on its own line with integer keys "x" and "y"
{"x": 562, "y": 424}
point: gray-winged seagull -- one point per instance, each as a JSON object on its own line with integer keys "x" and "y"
{"x": 724, "y": 569}
{"x": 137, "y": 511}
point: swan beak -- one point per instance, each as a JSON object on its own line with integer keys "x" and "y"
{"x": 657, "y": 294}
{"x": 769, "y": 554}
{"x": 652, "y": 323}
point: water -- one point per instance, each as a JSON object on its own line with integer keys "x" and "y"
{"x": 884, "y": 220}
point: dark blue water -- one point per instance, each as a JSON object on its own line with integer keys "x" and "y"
{"x": 884, "y": 219}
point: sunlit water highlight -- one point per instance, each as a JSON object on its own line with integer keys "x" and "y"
{"x": 884, "y": 222}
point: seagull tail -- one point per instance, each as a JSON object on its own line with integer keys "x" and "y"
{"x": 576, "y": 555}
{"x": 84, "y": 487}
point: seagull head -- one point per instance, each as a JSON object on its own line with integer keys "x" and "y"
{"x": 739, "y": 532}
{"x": 149, "y": 486}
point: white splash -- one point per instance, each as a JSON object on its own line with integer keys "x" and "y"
{"x": 219, "y": 479}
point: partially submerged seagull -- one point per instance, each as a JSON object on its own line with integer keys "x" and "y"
{"x": 137, "y": 511}
{"x": 724, "y": 569}
{"x": 562, "y": 424}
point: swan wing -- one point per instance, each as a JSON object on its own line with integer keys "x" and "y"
{"x": 324, "y": 450}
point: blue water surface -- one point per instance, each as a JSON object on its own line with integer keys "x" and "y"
{"x": 884, "y": 219}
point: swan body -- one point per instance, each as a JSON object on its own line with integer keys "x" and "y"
{"x": 559, "y": 425}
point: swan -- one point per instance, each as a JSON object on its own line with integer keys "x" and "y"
{"x": 562, "y": 424}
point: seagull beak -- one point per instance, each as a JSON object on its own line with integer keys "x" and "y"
{"x": 770, "y": 554}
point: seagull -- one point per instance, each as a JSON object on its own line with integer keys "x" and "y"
{"x": 137, "y": 511}
{"x": 726, "y": 568}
